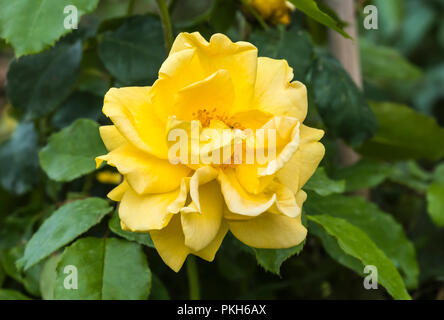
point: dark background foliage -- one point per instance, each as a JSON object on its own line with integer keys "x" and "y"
{"x": 52, "y": 207}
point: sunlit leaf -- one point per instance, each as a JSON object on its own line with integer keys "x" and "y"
{"x": 379, "y": 226}
{"x": 311, "y": 9}
{"x": 32, "y": 26}
{"x": 356, "y": 243}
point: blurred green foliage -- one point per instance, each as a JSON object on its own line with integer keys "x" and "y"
{"x": 50, "y": 212}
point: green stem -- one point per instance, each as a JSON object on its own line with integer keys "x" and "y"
{"x": 166, "y": 24}
{"x": 256, "y": 14}
{"x": 130, "y": 8}
{"x": 193, "y": 278}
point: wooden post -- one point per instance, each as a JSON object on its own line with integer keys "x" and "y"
{"x": 347, "y": 52}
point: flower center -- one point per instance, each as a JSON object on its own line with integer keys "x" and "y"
{"x": 205, "y": 116}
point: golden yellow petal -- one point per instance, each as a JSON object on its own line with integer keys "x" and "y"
{"x": 214, "y": 94}
{"x": 251, "y": 119}
{"x": 200, "y": 228}
{"x": 133, "y": 115}
{"x": 209, "y": 252}
{"x": 179, "y": 70}
{"x": 111, "y": 137}
{"x": 304, "y": 161}
{"x": 170, "y": 244}
{"x": 248, "y": 176}
{"x": 238, "y": 200}
{"x": 200, "y": 177}
{"x": 179, "y": 202}
{"x": 142, "y": 213}
{"x": 275, "y": 93}
{"x": 117, "y": 193}
{"x": 220, "y": 53}
{"x": 287, "y": 142}
{"x": 287, "y": 202}
{"x": 146, "y": 173}
{"x": 269, "y": 231}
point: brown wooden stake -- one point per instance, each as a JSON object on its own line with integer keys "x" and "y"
{"x": 347, "y": 52}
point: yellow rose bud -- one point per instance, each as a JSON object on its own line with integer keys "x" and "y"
{"x": 108, "y": 177}
{"x": 7, "y": 124}
{"x": 244, "y": 153}
{"x": 275, "y": 11}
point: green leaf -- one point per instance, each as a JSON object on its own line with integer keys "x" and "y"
{"x": 331, "y": 246}
{"x": 78, "y": 105}
{"x": 419, "y": 18}
{"x": 410, "y": 174}
{"x": 2, "y": 276}
{"x": 435, "y": 197}
{"x": 7, "y": 294}
{"x": 340, "y": 102}
{"x": 32, "y": 26}
{"x": 272, "y": 259}
{"x": 311, "y": 9}
{"x": 18, "y": 226}
{"x": 63, "y": 226}
{"x": 363, "y": 174}
{"x": 357, "y": 244}
{"x": 37, "y": 84}
{"x": 429, "y": 92}
{"x": 141, "y": 238}
{"x": 391, "y": 15}
{"x": 30, "y": 278}
{"x": 93, "y": 81}
{"x": 435, "y": 203}
{"x": 223, "y": 15}
{"x": 135, "y": 51}
{"x": 48, "y": 277}
{"x": 380, "y": 227}
{"x": 158, "y": 289}
{"x": 293, "y": 45}
{"x": 323, "y": 185}
{"x": 21, "y": 151}
{"x": 70, "y": 153}
{"x": 438, "y": 175}
{"x": 404, "y": 134}
{"x": 107, "y": 269}
{"x": 383, "y": 64}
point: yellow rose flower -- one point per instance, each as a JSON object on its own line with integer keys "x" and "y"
{"x": 275, "y": 11}
{"x": 188, "y": 207}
